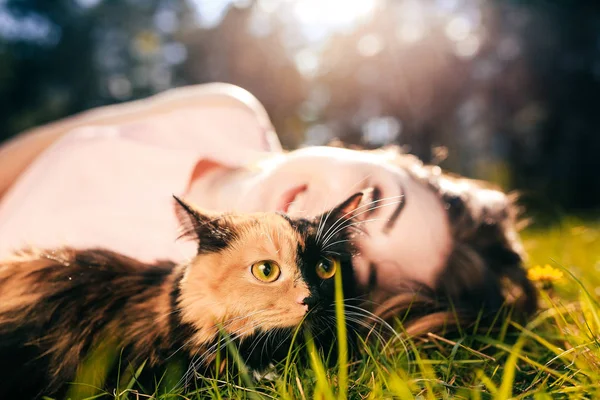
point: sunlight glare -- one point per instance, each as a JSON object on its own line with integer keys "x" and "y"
{"x": 468, "y": 48}
{"x": 370, "y": 45}
{"x": 410, "y": 33}
{"x": 458, "y": 28}
{"x": 307, "y": 62}
{"x": 327, "y": 16}
{"x": 210, "y": 13}
{"x": 411, "y": 27}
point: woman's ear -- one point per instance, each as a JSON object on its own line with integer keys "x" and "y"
{"x": 211, "y": 231}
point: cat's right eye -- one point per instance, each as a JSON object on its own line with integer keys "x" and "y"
{"x": 327, "y": 267}
{"x": 266, "y": 271}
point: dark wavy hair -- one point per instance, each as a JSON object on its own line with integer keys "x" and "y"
{"x": 484, "y": 274}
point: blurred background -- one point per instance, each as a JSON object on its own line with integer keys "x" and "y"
{"x": 511, "y": 89}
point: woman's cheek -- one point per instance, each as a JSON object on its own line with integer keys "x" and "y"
{"x": 361, "y": 271}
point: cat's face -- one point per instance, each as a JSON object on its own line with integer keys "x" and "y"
{"x": 258, "y": 272}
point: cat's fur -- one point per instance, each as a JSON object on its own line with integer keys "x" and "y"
{"x": 57, "y": 306}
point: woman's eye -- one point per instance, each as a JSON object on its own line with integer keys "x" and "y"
{"x": 327, "y": 267}
{"x": 266, "y": 271}
{"x": 375, "y": 200}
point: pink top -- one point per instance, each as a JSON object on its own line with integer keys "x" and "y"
{"x": 112, "y": 186}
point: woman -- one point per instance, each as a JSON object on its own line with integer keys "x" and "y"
{"x": 105, "y": 178}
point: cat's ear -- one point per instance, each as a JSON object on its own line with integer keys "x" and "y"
{"x": 348, "y": 209}
{"x": 211, "y": 231}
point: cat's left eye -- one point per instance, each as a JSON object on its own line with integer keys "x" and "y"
{"x": 327, "y": 266}
{"x": 266, "y": 271}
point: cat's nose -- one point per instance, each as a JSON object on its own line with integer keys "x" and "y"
{"x": 300, "y": 300}
{"x": 309, "y": 302}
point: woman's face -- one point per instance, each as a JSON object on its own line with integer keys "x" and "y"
{"x": 407, "y": 233}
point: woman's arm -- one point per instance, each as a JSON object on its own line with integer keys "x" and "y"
{"x": 17, "y": 154}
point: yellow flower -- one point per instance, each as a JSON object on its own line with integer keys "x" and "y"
{"x": 544, "y": 274}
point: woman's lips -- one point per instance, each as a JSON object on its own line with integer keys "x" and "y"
{"x": 289, "y": 196}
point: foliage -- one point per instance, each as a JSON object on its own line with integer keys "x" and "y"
{"x": 61, "y": 57}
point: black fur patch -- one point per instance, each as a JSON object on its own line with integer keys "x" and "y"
{"x": 212, "y": 233}
{"x": 92, "y": 295}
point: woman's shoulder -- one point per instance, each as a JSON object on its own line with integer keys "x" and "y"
{"x": 199, "y": 117}
{"x": 93, "y": 187}
{"x": 99, "y": 176}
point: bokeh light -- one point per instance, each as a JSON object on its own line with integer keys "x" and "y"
{"x": 506, "y": 86}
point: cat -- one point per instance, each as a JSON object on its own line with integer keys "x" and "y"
{"x": 254, "y": 276}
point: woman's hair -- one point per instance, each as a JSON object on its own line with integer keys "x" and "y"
{"x": 484, "y": 273}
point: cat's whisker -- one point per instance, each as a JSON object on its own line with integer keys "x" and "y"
{"x": 230, "y": 321}
{"x": 378, "y": 319}
{"x": 367, "y": 208}
{"x": 213, "y": 349}
{"x": 354, "y": 317}
{"x": 278, "y": 236}
{"x": 336, "y": 242}
{"x": 266, "y": 341}
{"x": 374, "y": 317}
{"x": 233, "y": 336}
{"x": 275, "y": 332}
{"x": 225, "y": 324}
{"x": 257, "y": 340}
{"x": 322, "y": 227}
{"x": 362, "y": 299}
{"x": 336, "y": 225}
{"x": 343, "y": 225}
{"x": 260, "y": 324}
{"x": 326, "y": 244}
{"x": 229, "y": 336}
{"x": 195, "y": 362}
{"x": 177, "y": 309}
{"x": 268, "y": 235}
{"x": 322, "y": 221}
{"x": 341, "y": 221}
{"x": 281, "y": 343}
{"x": 180, "y": 348}
{"x": 326, "y": 326}
{"x": 346, "y": 226}
{"x": 319, "y": 227}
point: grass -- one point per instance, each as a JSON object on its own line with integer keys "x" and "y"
{"x": 555, "y": 356}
